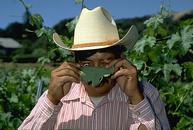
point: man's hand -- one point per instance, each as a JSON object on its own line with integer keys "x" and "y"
{"x": 61, "y": 80}
{"x": 126, "y": 76}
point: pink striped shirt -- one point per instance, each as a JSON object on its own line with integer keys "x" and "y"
{"x": 76, "y": 111}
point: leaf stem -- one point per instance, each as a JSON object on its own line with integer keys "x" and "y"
{"x": 152, "y": 79}
{"x": 182, "y": 101}
{"x": 163, "y": 39}
{"x": 25, "y": 6}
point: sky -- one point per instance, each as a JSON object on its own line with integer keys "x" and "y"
{"x": 53, "y": 11}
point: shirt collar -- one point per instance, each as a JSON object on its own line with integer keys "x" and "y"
{"x": 76, "y": 92}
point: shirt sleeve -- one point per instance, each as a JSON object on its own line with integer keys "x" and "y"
{"x": 158, "y": 107}
{"x": 42, "y": 116}
{"x": 142, "y": 114}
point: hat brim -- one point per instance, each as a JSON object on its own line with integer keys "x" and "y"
{"x": 128, "y": 41}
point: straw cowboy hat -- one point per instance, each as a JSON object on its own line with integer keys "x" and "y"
{"x": 96, "y": 29}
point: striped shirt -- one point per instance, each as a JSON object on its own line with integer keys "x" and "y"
{"x": 77, "y": 112}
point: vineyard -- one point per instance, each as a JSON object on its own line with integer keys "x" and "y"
{"x": 163, "y": 55}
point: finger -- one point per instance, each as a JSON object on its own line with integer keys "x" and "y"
{"x": 124, "y": 64}
{"x": 113, "y": 63}
{"x": 64, "y": 72}
{"x": 123, "y": 72}
{"x": 68, "y": 65}
{"x": 117, "y": 64}
{"x": 65, "y": 88}
{"x": 68, "y": 73}
{"x": 72, "y": 64}
{"x": 65, "y": 79}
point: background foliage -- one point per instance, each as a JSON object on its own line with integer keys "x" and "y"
{"x": 163, "y": 56}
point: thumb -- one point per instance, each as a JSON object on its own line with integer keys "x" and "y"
{"x": 66, "y": 88}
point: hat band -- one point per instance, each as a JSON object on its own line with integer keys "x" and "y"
{"x": 94, "y": 44}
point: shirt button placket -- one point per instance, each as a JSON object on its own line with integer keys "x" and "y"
{"x": 136, "y": 116}
{"x": 94, "y": 119}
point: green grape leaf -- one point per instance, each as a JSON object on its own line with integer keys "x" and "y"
{"x": 66, "y": 54}
{"x": 39, "y": 32}
{"x": 43, "y": 60}
{"x": 138, "y": 63}
{"x": 14, "y": 98}
{"x": 154, "y": 21}
{"x": 174, "y": 39}
{"x": 72, "y": 24}
{"x": 189, "y": 67}
{"x": 187, "y": 22}
{"x": 168, "y": 68}
{"x": 36, "y": 19}
{"x": 161, "y": 31}
{"x": 68, "y": 42}
{"x": 156, "y": 67}
{"x": 187, "y": 38}
{"x": 94, "y": 75}
{"x": 47, "y": 31}
{"x": 145, "y": 41}
{"x": 155, "y": 54}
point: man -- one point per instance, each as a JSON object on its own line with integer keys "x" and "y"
{"x": 118, "y": 102}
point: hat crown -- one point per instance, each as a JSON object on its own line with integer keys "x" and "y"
{"x": 95, "y": 26}
{"x": 96, "y": 29}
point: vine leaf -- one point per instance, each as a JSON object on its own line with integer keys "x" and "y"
{"x": 145, "y": 41}
{"x": 187, "y": 38}
{"x": 94, "y": 75}
{"x": 189, "y": 67}
{"x": 37, "y": 20}
{"x": 154, "y": 21}
{"x": 168, "y": 68}
{"x": 72, "y": 24}
{"x": 47, "y": 31}
{"x": 174, "y": 39}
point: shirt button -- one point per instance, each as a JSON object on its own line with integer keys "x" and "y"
{"x": 83, "y": 100}
{"x": 134, "y": 116}
{"x": 137, "y": 113}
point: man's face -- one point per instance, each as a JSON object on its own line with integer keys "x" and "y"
{"x": 99, "y": 59}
